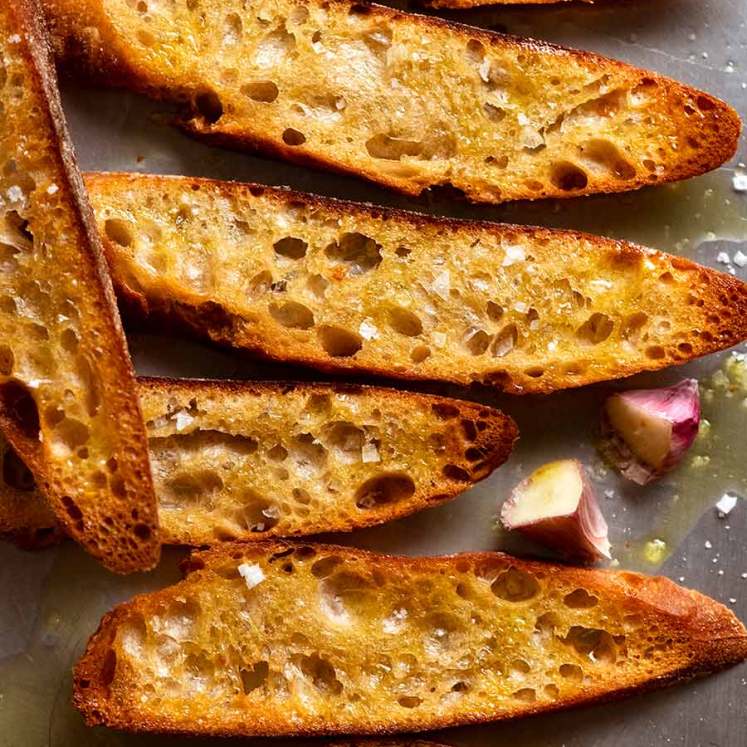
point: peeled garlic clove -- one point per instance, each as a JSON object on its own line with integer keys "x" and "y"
{"x": 556, "y": 507}
{"x": 646, "y": 432}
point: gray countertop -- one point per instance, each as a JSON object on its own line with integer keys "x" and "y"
{"x": 52, "y": 600}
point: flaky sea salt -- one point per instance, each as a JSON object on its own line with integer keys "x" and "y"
{"x": 252, "y": 575}
{"x": 183, "y": 420}
{"x": 368, "y": 330}
{"x": 726, "y": 504}
{"x": 513, "y": 255}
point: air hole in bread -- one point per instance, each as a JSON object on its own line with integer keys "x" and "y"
{"x": 293, "y": 137}
{"x": 17, "y": 231}
{"x": 256, "y": 514}
{"x": 292, "y": 314}
{"x": 339, "y": 342}
{"x": 519, "y": 666}
{"x": 15, "y": 473}
{"x": 568, "y": 177}
{"x": 254, "y": 678}
{"x": 291, "y": 247}
{"x": 70, "y": 434}
{"x": 298, "y": 15}
{"x": 341, "y": 593}
{"x": 456, "y": 473}
{"x": 597, "y": 328}
{"x": 633, "y": 324}
{"x": 119, "y": 231}
{"x": 264, "y": 91}
{"x": 233, "y": 29}
{"x": 72, "y": 508}
{"x": 324, "y": 567}
{"x": 7, "y": 360}
{"x": 191, "y": 487}
{"x": 391, "y": 148}
{"x": 514, "y": 585}
{"x": 345, "y": 440}
{"x": 145, "y": 37}
{"x": 357, "y": 250}
{"x": 209, "y": 106}
{"x": 321, "y": 673}
{"x": 705, "y": 103}
{"x": 404, "y": 321}
{"x": 318, "y": 285}
{"x": 69, "y": 340}
{"x": 444, "y": 411}
{"x": 420, "y": 353}
{"x": 274, "y": 48}
{"x": 385, "y": 489}
{"x": 571, "y": 672}
{"x": 469, "y": 429}
{"x": 318, "y": 404}
{"x": 607, "y": 156}
{"x": 19, "y": 405}
{"x": 594, "y": 643}
{"x": 655, "y": 352}
{"x": 505, "y": 341}
{"x": 495, "y": 311}
{"x": 307, "y": 453}
{"x": 260, "y": 283}
{"x": 409, "y": 701}
{"x": 526, "y": 694}
{"x": 476, "y": 341}
{"x": 580, "y": 599}
{"x": 278, "y": 453}
{"x": 53, "y": 415}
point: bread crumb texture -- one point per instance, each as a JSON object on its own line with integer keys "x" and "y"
{"x": 411, "y": 102}
{"x": 67, "y": 396}
{"x": 341, "y": 640}
{"x": 341, "y": 286}
{"x": 246, "y": 461}
{"x": 284, "y": 460}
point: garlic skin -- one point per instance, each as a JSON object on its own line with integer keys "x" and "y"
{"x": 556, "y": 507}
{"x": 646, "y": 432}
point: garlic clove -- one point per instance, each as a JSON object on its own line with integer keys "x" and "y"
{"x": 556, "y": 507}
{"x": 646, "y": 432}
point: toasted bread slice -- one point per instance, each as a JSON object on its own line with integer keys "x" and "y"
{"x": 341, "y": 286}
{"x": 462, "y": 4}
{"x": 284, "y": 639}
{"x": 68, "y": 403}
{"x": 234, "y": 460}
{"x": 408, "y": 101}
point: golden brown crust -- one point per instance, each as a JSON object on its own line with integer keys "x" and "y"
{"x": 719, "y": 301}
{"x": 88, "y": 38}
{"x": 463, "y": 4}
{"x": 129, "y": 543}
{"x": 708, "y": 637}
{"x": 488, "y": 437}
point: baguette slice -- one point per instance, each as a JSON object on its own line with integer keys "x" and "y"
{"x": 235, "y": 460}
{"x": 462, "y": 4}
{"x": 68, "y": 403}
{"x": 407, "y": 101}
{"x": 283, "y": 639}
{"x": 341, "y": 286}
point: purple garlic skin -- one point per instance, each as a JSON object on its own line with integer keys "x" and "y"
{"x": 646, "y": 432}
{"x": 556, "y": 507}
